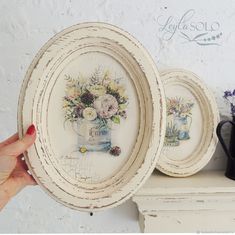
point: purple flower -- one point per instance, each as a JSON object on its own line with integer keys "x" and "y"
{"x": 233, "y": 109}
{"x": 87, "y": 98}
{"x": 227, "y": 94}
{"x": 115, "y": 151}
{"x": 79, "y": 110}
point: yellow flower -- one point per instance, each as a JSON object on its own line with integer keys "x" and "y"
{"x": 98, "y": 90}
{"x": 118, "y": 88}
{"x": 72, "y": 92}
{"x": 121, "y": 90}
{"x": 82, "y": 149}
{"x": 113, "y": 85}
{"x": 65, "y": 103}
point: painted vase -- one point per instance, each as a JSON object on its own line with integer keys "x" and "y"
{"x": 229, "y": 150}
{"x": 94, "y": 135}
{"x": 183, "y": 125}
{"x": 177, "y": 130}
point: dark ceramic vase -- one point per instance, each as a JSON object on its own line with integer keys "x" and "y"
{"x": 229, "y": 150}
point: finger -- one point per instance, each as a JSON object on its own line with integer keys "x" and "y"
{"x": 23, "y": 165}
{"x": 15, "y": 184}
{"x": 10, "y": 140}
{"x": 7, "y": 165}
{"x": 18, "y": 179}
{"x": 20, "y": 146}
{"x": 22, "y": 162}
{"x": 10, "y": 163}
{"x": 29, "y": 180}
{"x": 21, "y": 171}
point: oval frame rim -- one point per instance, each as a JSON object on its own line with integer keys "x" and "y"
{"x": 161, "y": 97}
{"x": 207, "y": 95}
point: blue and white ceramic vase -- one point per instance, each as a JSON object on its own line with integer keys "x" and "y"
{"x": 94, "y": 135}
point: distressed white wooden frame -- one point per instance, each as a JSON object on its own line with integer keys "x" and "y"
{"x": 131, "y": 54}
{"x": 199, "y": 158}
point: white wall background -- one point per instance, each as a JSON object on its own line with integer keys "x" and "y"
{"x": 25, "y": 25}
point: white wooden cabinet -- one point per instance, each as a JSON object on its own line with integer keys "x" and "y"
{"x": 204, "y": 202}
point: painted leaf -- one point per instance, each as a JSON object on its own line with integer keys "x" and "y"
{"x": 122, "y": 106}
{"x": 116, "y": 119}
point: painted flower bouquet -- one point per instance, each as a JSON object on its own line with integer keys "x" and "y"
{"x": 95, "y": 103}
{"x": 178, "y": 114}
{"x": 179, "y": 107}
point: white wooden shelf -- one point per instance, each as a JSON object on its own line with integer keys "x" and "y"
{"x": 204, "y": 202}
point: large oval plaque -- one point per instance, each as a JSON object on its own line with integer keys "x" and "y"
{"x": 97, "y": 101}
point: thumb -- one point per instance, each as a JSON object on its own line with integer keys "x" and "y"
{"x": 20, "y": 146}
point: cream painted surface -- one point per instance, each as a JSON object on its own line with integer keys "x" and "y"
{"x": 191, "y": 204}
{"x": 25, "y": 25}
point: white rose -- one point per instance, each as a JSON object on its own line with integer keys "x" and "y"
{"x": 89, "y": 114}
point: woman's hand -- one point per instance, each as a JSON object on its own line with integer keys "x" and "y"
{"x": 13, "y": 170}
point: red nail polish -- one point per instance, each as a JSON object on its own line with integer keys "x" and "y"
{"x": 31, "y": 130}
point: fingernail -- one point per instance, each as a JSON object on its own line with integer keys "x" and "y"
{"x": 31, "y": 130}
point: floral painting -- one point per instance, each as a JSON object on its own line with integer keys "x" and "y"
{"x": 94, "y": 104}
{"x": 179, "y": 120}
